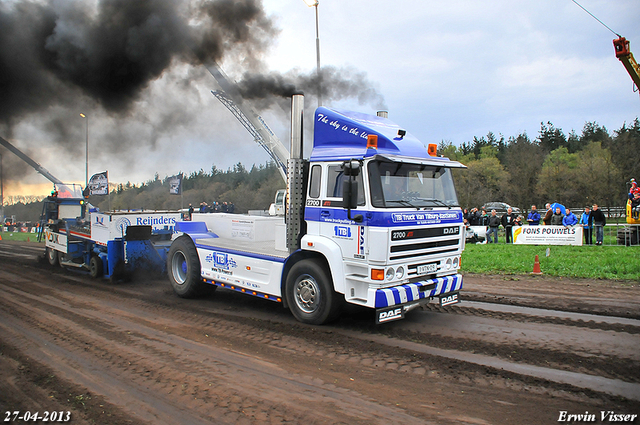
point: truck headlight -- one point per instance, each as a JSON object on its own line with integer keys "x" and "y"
{"x": 448, "y": 264}
{"x": 400, "y": 272}
{"x": 390, "y": 273}
{"x": 456, "y": 262}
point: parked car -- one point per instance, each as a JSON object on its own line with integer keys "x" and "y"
{"x": 500, "y": 207}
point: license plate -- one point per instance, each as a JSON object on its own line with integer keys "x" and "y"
{"x": 427, "y": 268}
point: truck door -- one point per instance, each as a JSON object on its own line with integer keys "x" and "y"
{"x": 350, "y": 236}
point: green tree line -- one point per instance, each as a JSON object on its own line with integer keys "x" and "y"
{"x": 574, "y": 170}
{"x": 247, "y": 189}
{"x": 252, "y": 189}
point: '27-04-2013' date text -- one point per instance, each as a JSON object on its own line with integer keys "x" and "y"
{"x": 46, "y": 416}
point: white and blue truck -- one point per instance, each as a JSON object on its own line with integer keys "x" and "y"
{"x": 372, "y": 218}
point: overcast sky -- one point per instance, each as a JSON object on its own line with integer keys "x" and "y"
{"x": 445, "y": 70}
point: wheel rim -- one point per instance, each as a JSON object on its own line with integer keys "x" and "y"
{"x": 179, "y": 267}
{"x": 307, "y": 293}
{"x": 52, "y": 255}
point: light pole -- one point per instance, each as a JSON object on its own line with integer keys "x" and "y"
{"x": 314, "y": 3}
{"x": 86, "y": 163}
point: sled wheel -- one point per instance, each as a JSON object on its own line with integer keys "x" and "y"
{"x": 52, "y": 256}
{"x": 95, "y": 266}
{"x": 310, "y": 293}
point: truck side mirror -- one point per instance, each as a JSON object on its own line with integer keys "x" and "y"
{"x": 350, "y": 194}
{"x": 350, "y": 189}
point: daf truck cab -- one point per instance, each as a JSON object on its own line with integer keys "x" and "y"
{"x": 372, "y": 218}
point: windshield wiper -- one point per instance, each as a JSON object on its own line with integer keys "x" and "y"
{"x": 403, "y": 202}
{"x": 435, "y": 201}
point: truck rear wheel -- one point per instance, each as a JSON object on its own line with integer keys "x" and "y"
{"x": 310, "y": 293}
{"x": 52, "y": 256}
{"x": 95, "y": 266}
{"x": 183, "y": 266}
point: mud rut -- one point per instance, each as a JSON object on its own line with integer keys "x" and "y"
{"x": 134, "y": 353}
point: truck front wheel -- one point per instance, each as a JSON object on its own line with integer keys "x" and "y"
{"x": 183, "y": 266}
{"x": 310, "y": 293}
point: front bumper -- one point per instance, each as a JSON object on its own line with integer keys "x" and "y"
{"x": 413, "y": 292}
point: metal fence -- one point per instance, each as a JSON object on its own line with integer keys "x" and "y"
{"x": 621, "y": 234}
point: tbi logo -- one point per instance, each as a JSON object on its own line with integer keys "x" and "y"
{"x": 221, "y": 260}
{"x": 342, "y": 231}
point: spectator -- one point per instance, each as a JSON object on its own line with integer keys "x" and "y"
{"x": 493, "y": 223}
{"x": 586, "y": 223}
{"x": 635, "y": 205}
{"x": 475, "y": 219}
{"x": 570, "y": 219}
{"x": 556, "y": 218}
{"x": 465, "y": 216}
{"x": 534, "y": 216}
{"x": 634, "y": 187}
{"x": 190, "y": 211}
{"x": 231, "y": 208}
{"x": 472, "y": 218}
{"x": 508, "y": 221}
{"x": 483, "y": 218}
{"x": 547, "y": 216}
{"x": 479, "y": 217}
{"x": 599, "y": 221}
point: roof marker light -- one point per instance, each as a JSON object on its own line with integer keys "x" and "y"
{"x": 372, "y": 141}
{"x": 432, "y": 149}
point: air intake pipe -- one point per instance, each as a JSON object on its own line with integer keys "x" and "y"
{"x": 296, "y": 177}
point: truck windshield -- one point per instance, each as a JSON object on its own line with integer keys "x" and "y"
{"x": 402, "y": 185}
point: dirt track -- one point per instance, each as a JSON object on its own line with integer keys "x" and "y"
{"x": 135, "y": 353}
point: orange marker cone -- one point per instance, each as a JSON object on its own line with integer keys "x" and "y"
{"x": 28, "y": 240}
{"x": 536, "y": 267}
{"x": 0, "y": 237}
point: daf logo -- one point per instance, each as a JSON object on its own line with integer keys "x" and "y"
{"x": 389, "y": 315}
{"x": 451, "y": 230}
{"x": 448, "y": 300}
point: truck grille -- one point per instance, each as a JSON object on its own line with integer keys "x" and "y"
{"x": 411, "y": 243}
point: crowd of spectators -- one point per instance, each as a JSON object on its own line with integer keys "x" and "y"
{"x": 13, "y": 226}
{"x": 592, "y": 220}
{"x": 215, "y": 207}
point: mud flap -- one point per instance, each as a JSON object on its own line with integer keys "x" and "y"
{"x": 384, "y": 315}
{"x": 449, "y": 299}
{"x": 397, "y": 312}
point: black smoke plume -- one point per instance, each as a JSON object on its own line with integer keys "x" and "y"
{"x": 111, "y": 50}
{"x": 334, "y": 84}
{"x": 62, "y": 57}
